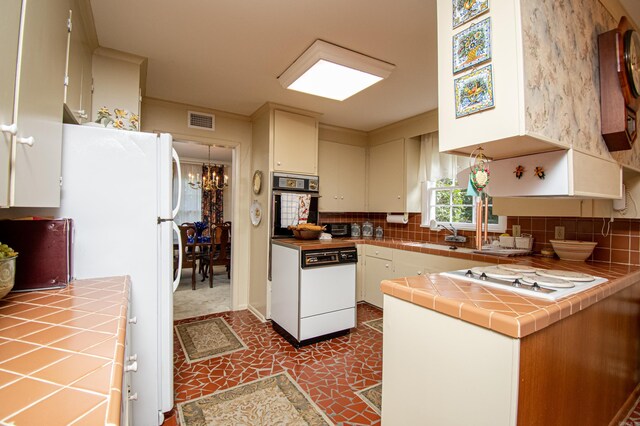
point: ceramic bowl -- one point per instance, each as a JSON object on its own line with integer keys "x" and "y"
{"x": 572, "y": 249}
{"x": 7, "y": 275}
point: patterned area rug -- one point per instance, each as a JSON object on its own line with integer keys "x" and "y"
{"x": 372, "y": 396}
{"x": 275, "y": 400}
{"x": 206, "y": 339}
{"x": 375, "y": 324}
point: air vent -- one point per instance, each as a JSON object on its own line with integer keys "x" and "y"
{"x": 200, "y": 120}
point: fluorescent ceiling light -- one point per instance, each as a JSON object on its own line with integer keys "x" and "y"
{"x": 331, "y": 71}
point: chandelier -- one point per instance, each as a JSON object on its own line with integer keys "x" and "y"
{"x": 209, "y": 184}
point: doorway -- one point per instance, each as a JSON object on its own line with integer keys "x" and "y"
{"x": 199, "y": 162}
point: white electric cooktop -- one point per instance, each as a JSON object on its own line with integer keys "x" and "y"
{"x": 529, "y": 281}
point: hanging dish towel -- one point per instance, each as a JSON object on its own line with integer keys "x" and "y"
{"x": 289, "y": 209}
{"x": 303, "y": 211}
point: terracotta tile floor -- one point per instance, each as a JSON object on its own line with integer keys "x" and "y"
{"x": 330, "y": 371}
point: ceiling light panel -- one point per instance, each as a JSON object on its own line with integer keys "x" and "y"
{"x": 331, "y": 71}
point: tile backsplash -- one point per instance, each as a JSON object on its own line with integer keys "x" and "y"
{"x": 618, "y": 241}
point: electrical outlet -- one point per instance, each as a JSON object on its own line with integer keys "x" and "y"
{"x": 559, "y": 233}
{"x": 516, "y": 230}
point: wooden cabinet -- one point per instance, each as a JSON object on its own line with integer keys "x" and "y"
{"x": 36, "y": 146}
{"x": 78, "y": 80}
{"x": 393, "y": 183}
{"x": 342, "y": 177}
{"x": 295, "y": 143}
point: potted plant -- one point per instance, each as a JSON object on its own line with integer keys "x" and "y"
{"x": 7, "y": 269}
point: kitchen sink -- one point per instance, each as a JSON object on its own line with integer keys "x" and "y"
{"x": 440, "y": 247}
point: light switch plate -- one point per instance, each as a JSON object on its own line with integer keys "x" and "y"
{"x": 516, "y": 230}
{"x": 559, "y": 235}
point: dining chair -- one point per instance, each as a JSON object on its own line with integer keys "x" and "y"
{"x": 189, "y": 254}
{"x": 220, "y": 250}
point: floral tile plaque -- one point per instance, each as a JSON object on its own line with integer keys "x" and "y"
{"x": 472, "y": 46}
{"x": 474, "y": 91}
{"x": 465, "y": 10}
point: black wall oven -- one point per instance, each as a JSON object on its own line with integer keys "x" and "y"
{"x": 291, "y": 184}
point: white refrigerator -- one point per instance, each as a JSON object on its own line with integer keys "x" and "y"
{"x": 117, "y": 187}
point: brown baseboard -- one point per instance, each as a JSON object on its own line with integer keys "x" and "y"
{"x": 626, "y": 408}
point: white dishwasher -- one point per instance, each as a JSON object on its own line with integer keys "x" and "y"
{"x": 313, "y": 292}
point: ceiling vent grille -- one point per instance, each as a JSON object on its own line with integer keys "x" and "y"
{"x": 200, "y": 120}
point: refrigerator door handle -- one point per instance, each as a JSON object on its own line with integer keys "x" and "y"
{"x": 176, "y": 282}
{"x": 174, "y": 154}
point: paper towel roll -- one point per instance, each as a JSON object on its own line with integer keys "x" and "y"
{"x": 398, "y": 218}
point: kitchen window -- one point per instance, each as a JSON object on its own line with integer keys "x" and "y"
{"x": 447, "y": 202}
{"x": 444, "y": 199}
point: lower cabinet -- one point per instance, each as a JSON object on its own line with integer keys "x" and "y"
{"x": 383, "y": 263}
{"x": 375, "y": 271}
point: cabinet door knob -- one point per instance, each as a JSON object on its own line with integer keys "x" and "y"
{"x": 386, "y": 265}
{"x": 335, "y": 197}
{"x": 133, "y": 357}
{"x": 133, "y": 320}
{"x": 342, "y": 197}
{"x": 131, "y": 367}
{"x": 279, "y": 163}
{"x": 419, "y": 272}
{"x": 10, "y": 128}
{"x": 133, "y": 397}
{"x": 26, "y": 141}
{"x": 398, "y": 197}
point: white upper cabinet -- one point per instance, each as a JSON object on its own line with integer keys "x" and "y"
{"x": 544, "y": 94}
{"x": 117, "y": 80}
{"x": 78, "y": 80}
{"x": 34, "y": 175}
{"x": 295, "y": 143}
{"x": 9, "y": 34}
{"x": 393, "y": 184}
{"x": 342, "y": 171}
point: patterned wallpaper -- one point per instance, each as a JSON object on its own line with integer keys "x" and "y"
{"x": 562, "y": 88}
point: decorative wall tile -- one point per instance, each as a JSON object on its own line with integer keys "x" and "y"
{"x": 474, "y": 91}
{"x": 466, "y": 10}
{"x": 472, "y": 46}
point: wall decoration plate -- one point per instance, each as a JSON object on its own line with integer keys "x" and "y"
{"x": 466, "y": 10}
{"x": 255, "y": 211}
{"x": 474, "y": 91}
{"x": 472, "y": 46}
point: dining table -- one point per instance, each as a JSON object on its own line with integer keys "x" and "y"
{"x": 201, "y": 246}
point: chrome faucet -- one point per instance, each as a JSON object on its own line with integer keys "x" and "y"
{"x": 454, "y": 237}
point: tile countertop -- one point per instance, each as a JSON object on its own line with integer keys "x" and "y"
{"x": 61, "y": 353}
{"x": 315, "y": 244}
{"x": 499, "y": 310}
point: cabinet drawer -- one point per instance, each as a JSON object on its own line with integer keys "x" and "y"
{"x": 331, "y": 322}
{"x": 379, "y": 252}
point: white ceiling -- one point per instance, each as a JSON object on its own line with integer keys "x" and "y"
{"x": 227, "y": 54}
{"x": 633, "y": 10}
